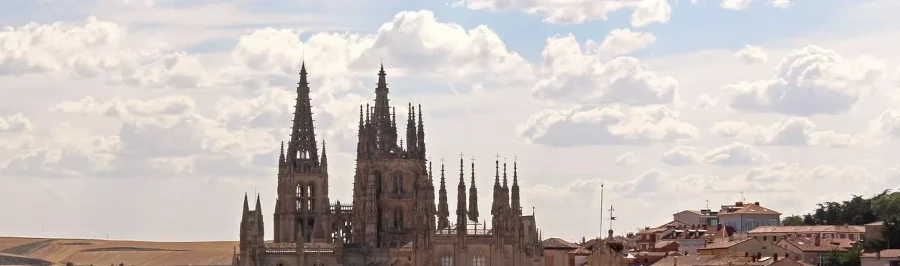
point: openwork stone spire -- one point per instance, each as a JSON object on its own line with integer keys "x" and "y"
{"x": 302, "y": 151}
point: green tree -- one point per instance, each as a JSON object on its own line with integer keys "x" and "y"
{"x": 843, "y": 258}
{"x": 808, "y": 219}
{"x": 792, "y": 220}
{"x": 887, "y": 206}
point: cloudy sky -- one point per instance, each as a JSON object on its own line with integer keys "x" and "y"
{"x": 150, "y": 119}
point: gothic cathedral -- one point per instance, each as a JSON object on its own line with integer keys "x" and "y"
{"x": 392, "y": 219}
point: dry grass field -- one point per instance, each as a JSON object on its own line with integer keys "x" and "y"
{"x": 40, "y": 251}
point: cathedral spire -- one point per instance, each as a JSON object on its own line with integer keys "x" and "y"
{"x": 443, "y": 208}
{"x": 246, "y": 206}
{"x": 420, "y": 146}
{"x": 302, "y": 150}
{"x": 495, "y": 205}
{"x": 324, "y": 156}
{"x": 281, "y": 155}
{"x": 505, "y": 190}
{"x": 461, "y": 201}
{"x": 411, "y": 138}
{"x": 473, "y": 197}
{"x": 360, "y": 134}
{"x": 259, "y": 218}
{"x": 382, "y": 117}
{"x": 516, "y": 202}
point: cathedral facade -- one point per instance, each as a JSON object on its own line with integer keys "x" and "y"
{"x": 393, "y": 218}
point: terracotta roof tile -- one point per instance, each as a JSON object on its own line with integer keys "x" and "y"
{"x": 724, "y": 243}
{"x": 683, "y": 260}
{"x": 557, "y": 243}
{"x": 809, "y": 229}
{"x": 662, "y": 244}
{"x": 887, "y": 253}
{"x": 809, "y": 245}
{"x": 752, "y": 209}
{"x": 580, "y": 251}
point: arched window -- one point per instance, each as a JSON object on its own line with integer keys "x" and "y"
{"x": 398, "y": 182}
{"x": 300, "y": 199}
{"x": 447, "y": 260}
{"x": 478, "y": 260}
{"x": 398, "y": 218}
{"x": 378, "y": 183}
{"x": 310, "y": 196}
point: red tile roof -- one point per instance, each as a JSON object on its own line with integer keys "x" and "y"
{"x": 809, "y": 229}
{"x": 752, "y": 209}
{"x": 557, "y": 243}
{"x": 887, "y": 253}
{"x": 724, "y": 243}
{"x": 580, "y": 251}
{"x": 809, "y": 245}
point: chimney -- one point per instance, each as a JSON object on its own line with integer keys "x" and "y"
{"x": 818, "y": 240}
{"x": 775, "y": 257}
{"x": 756, "y": 203}
{"x": 676, "y": 261}
{"x": 878, "y": 255}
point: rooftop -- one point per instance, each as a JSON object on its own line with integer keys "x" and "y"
{"x": 809, "y": 229}
{"x": 748, "y": 208}
{"x": 809, "y": 245}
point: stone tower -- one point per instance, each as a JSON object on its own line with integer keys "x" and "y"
{"x": 251, "y": 235}
{"x": 391, "y": 187}
{"x": 302, "y": 206}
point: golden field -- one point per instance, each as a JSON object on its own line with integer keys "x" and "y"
{"x": 43, "y": 251}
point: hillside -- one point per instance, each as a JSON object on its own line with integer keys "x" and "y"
{"x": 40, "y": 251}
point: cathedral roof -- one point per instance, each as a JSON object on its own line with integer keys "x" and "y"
{"x": 287, "y": 247}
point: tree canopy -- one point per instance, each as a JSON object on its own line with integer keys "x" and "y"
{"x": 884, "y": 206}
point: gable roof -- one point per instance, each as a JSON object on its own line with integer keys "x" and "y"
{"x": 887, "y": 253}
{"x": 752, "y": 209}
{"x": 558, "y": 243}
{"x": 809, "y": 229}
{"x": 809, "y": 245}
{"x": 724, "y": 243}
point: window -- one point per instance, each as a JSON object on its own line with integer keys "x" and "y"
{"x": 478, "y": 260}
{"x": 447, "y": 260}
{"x": 398, "y": 182}
{"x": 398, "y": 218}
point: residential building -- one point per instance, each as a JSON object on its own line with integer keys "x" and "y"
{"x": 746, "y": 245}
{"x": 700, "y": 218}
{"x": 556, "y": 251}
{"x": 775, "y": 233}
{"x": 646, "y": 239}
{"x": 650, "y": 257}
{"x": 873, "y": 230}
{"x": 888, "y": 257}
{"x": 727, "y": 259}
{"x": 812, "y": 250}
{"x": 688, "y": 239}
{"x": 745, "y": 216}
{"x": 579, "y": 257}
